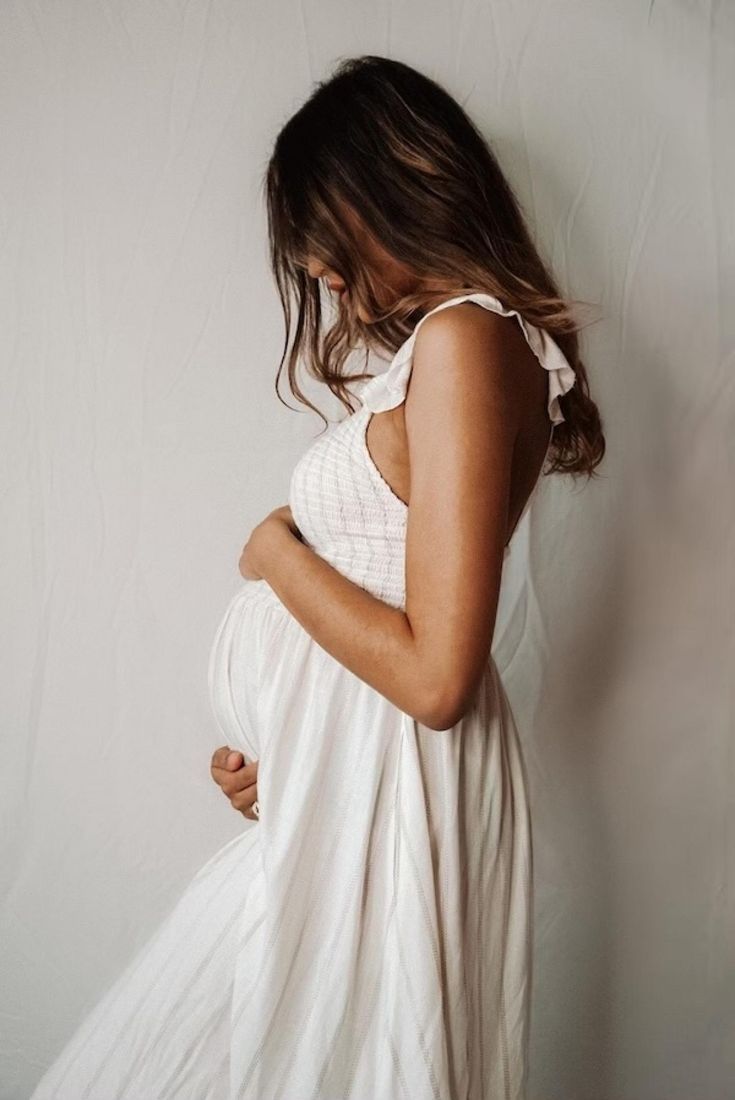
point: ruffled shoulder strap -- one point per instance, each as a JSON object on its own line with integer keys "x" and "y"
{"x": 385, "y": 391}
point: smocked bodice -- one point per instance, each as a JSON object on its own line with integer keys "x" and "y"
{"x": 341, "y": 503}
{"x": 348, "y": 513}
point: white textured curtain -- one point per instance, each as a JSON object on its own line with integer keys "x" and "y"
{"x": 142, "y": 440}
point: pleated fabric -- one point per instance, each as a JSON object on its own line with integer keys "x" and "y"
{"x": 369, "y": 938}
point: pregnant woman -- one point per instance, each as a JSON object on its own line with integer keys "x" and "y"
{"x": 368, "y": 934}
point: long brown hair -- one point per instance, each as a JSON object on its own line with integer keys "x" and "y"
{"x": 388, "y": 144}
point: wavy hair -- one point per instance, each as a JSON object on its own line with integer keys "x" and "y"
{"x": 379, "y": 148}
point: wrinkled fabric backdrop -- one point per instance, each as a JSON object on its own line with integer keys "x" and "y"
{"x": 142, "y": 441}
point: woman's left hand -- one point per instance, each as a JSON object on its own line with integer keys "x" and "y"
{"x": 262, "y": 541}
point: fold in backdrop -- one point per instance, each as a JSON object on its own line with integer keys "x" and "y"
{"x": 142, "y": 441}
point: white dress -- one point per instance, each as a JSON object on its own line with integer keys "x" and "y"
{"x": 369, "y": 938}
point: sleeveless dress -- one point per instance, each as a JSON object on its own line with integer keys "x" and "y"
{"x": 369, "y": 937}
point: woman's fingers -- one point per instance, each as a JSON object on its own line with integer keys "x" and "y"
{"x": 243, "y": 801}
{"x": 237, "y": 779}
{"x": 225, "y": 757}
{"x": 242, "y": 789}
{"x": 226, "y": 761}
{"x": 232, "y": 782}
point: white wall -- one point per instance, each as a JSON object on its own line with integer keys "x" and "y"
{"x": 143, "y": 440}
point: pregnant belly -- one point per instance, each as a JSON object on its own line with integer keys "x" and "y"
{"x": 236, "y": 664}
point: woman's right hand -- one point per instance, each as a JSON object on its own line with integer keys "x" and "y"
{"x": 237, "y": 779}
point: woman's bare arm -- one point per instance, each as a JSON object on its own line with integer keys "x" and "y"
{"x": 461, "y": 419}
